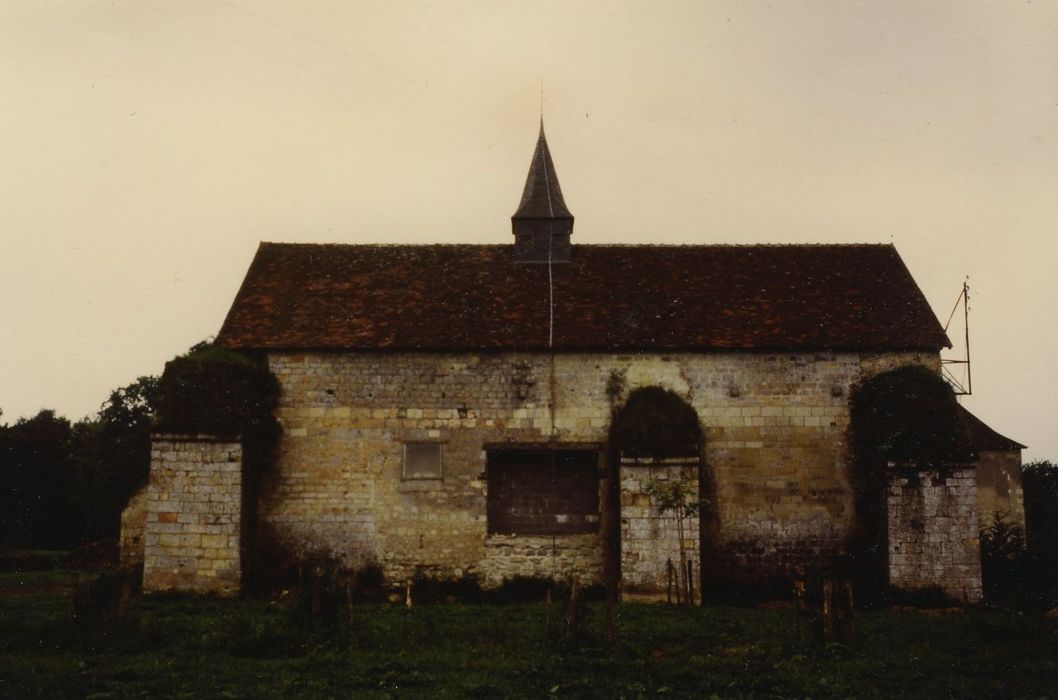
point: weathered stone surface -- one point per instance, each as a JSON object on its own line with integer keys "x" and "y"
{"x": 192, "y": 524}
{"x": 133, "y": 519}
{"x": 933, "y": 535}
{"x": 650, "y": 540}
{"x": 999, "y": 489}
{"x": 776, "y": 448}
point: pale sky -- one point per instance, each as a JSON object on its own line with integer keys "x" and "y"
{"x": 147, "y": 146}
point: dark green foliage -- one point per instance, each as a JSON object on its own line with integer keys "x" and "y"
{"x": 62, "y": 485}
{"x": 215, "y": 391}
{"x": 12, "y": 559}
{"x": 533, "y": 589}
{"x": 656, "y": 422}
{"x": 1040, "y": 485}
{"x": 929, "y": 598}
{"x": 1002, "y": 541}
{"x": 1020, "y": 570}
{"x": 37, "y": 493}
{"x": 185, "y": 647}
{"x": 103, "y": 599}
{"x": 112, "y": 456}
{"x": 676, "y": 496}
{"x": 1003, "y": 561}
{"x": 427, "y": 590}
{"x": 909, "y": 415}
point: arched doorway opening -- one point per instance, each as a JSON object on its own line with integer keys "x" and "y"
{"x": 661, "y": 495}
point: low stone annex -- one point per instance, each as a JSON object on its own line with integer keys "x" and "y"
{"x": 450, "y": 411}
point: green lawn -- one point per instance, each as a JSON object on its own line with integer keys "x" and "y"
{"x": 182, "y": 647}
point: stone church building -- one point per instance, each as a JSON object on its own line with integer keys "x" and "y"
{"x": 448, "y": 411}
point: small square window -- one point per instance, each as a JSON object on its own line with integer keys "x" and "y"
{"x": 422, "y": 460}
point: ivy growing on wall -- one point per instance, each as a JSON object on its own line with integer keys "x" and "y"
{"x": 909, "y": 415}
{"x": 656, "y": 422}
{"x": 215, "y": 391}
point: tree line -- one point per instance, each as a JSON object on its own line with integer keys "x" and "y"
{"x": 63, "y": 484}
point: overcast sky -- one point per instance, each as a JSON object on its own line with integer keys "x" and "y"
{"x": 146, "y": 147}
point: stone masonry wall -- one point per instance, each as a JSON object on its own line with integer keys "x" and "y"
{"x": 133, "y": 520}
{"x": 649, "y": 540}
{"x": 999, "y": 489}
{"x": 933, "y": 536}
{"x": 775, "y": 430}
{"x": 192, "y": 527}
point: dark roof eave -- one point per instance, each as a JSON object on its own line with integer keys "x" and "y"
{"x": 576, "y": 349}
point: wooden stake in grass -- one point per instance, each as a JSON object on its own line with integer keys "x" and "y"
{"x": 316, "y": 583}
{"x": 799, "y": 606}
{"x": 850, "y": 614}
{"x": 571, "y": 617}
{"x": 828, "y": 610}
{"x": 548, "y": 614}
{"x": 350, "y": 583}
{"x": 690, "y": 582}
{"x": 407, "y": 594}
{"x": 611, "y": 600}
{"x": 669, "y": 571}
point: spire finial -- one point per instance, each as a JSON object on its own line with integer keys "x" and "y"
{"x": 541, "y": 104}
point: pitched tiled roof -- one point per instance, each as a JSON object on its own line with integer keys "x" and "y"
{"x": 984, "y": 438}
{"x": 475, "y": 297}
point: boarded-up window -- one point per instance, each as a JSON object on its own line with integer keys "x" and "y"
{"x": 422, "y": 460}
{"x": 542, "y": 492}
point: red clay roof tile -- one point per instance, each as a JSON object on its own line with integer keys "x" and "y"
{"x": 609, "y": 297}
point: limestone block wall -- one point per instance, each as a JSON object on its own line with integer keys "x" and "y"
{"x": 133, "y": 519}
{"x": 192, "y": 527}
{"x": 933, "y": 536}
{"x": 649, "y": 540}
{"x": 559, "y": 558}
{"x": 775, "y": 428}
{"x": 999, "y": 488}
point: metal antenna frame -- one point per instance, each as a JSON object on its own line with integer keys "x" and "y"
{"x": 946, "y": 365}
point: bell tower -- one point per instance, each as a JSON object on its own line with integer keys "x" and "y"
{"x": 542, "y": 224}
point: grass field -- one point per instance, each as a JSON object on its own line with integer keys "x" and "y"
{"x": 185, "y": 647}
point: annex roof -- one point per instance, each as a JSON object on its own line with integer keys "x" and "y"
{"x": 984, "y": 438}
{"x": 607, "y": 298}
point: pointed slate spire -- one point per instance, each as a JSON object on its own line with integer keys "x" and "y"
{"x": 542, "y": 196}
{"x": 542, "y": 224}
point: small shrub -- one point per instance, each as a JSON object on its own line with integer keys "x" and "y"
{"x": 105, "y": 598}
{"x": 96, "y": 556}
{"x": 18, "y": 560}
{"x": 533, "y": 589}
{"x": 1013, "y": 575}
{"x": 431, "y": 590}
{"x": 931, "y": 597}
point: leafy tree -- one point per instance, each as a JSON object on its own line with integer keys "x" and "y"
{"x": 113, "y": 457}
{"x": 63, "y": 484}
{"x": 1003, "y": 560}
{"x": 1040, "y": 484}
{"x": 677, "y": 496}
{"x": 35, "y": 492}
{"x": 1019, "y": 569}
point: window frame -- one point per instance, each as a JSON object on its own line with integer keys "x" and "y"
{"x": 405, "y": 476}
{"x": 587, "y": 522}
